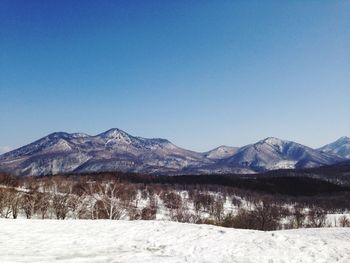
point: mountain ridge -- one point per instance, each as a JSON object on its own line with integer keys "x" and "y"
{"x": 340, "y": 147}
{"x": 116, "y": 150}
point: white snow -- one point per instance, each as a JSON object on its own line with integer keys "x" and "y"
{"x": 340, "y": 147}
{"x": 284, "y": 164}
{"x": 221, "y": 152}
{"x": 159, "y": 241}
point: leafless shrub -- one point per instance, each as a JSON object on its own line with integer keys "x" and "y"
{"x": 316, "y": 218}
{"x": 134, "y": 213}
{"x": 236, "y": 201}
{"x": 267, "y": 215}
{"x": 264, "y": 216}
{"x": 203, "y": 201}
{"x": 149, "y": 213}
{"x": 344, "y": 221}
{"x": 183, "y": 215}
{"x": 171, "y": 200}
{"x": 298, "y": 217}
{"x": 244, "y": 219}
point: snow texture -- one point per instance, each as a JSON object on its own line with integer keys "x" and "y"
{"x": 158, "y": 241}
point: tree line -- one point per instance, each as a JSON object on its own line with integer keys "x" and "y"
{"x": 136, "y": 197}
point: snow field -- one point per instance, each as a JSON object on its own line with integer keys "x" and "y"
{"x": 159, "y": 241}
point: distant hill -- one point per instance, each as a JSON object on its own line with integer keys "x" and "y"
{"x": 116, "y": 150}
{"x": 340, "y": 147}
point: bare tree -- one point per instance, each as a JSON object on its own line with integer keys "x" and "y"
{"x": 203, "y": 201}
{"x": 15, "y": 203}
{"x": 76, "y": 205}
{"x": 5, "y": 202}
{"x": 218, "y": 208}
{"x": 298, "y": 217}
{"x": 267, "y": 215}
{"x": 264, "y": 215}
{"x": 43, "y": 203}
{"x": 344, "y": 221}
{"x": 107, "y": 203}
{"x": 171, "y": 200}
{"x": 317, "y": 217}
{"x": 29, "y": 204}
{"x": 8, "y": 180}
{"x": 60, "y": 205}
{"x": 128, "y": 195}
{"x": 184, "y": 215}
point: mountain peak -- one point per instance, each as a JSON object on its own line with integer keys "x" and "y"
{"x": 272, "y": 141}
{"x": 58, "y": 135}
{"x": 220, "y": 152}
{"x": 80, "y": 135}
{"x": 116, "y": 136}
{"x": 113, "y": 133}
{"x": 340, "y": 147}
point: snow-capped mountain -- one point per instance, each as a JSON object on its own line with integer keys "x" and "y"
{"x": 340, "y": 147}
{"x": 221, "y": 152}
{"x": 116, "y": 150}
{"x": 272, "y": 153}
{"x": 113, "y": 150}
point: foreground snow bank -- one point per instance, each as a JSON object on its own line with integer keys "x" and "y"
{"x": 156, "y": 241}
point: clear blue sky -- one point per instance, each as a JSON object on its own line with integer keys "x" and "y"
{"x": 199, "y": 73}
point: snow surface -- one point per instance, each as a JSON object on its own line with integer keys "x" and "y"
{"x": 159, "y": 241}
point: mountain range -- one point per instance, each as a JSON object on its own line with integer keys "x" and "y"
{"x": 116, "y": 150}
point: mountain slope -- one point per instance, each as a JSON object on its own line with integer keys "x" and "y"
{"x": 340, "y": 147}
{"x": 221, "y": 152}
{"x": 116, "y": 150}
{"x": 272, "y": 153}
{"x": 109, "y": 151}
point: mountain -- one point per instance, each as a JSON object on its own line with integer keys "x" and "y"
{"x": 340, "y": 147}
{"x": 113, "y": 150}
{"x": 116, "y": 150}
{"x": 273, "y": 153}
{"x": 221, "y": 152}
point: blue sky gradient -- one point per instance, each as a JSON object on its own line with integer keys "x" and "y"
{"x": 199, "y": 73}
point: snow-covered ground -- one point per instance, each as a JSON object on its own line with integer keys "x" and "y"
{"x": 160, "y": 241}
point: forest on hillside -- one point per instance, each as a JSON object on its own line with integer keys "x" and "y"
{"x": 266, "y": 203}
